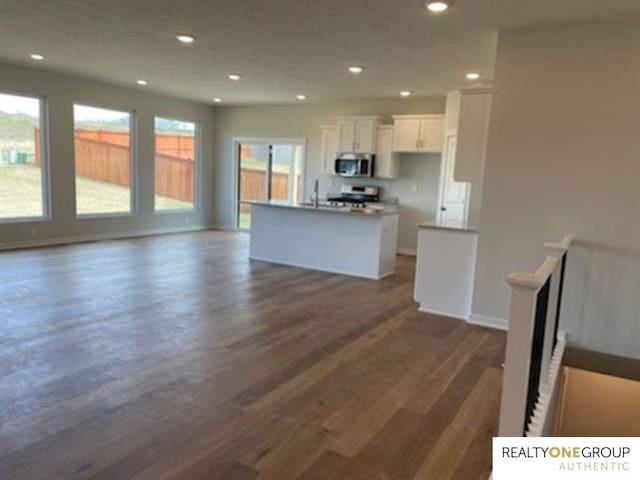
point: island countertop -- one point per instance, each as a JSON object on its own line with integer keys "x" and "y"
{"x": 462, "y": 227}
{"x": 371, "y": 211}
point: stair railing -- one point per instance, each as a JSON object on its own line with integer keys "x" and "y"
{"x": 534, "y": 345}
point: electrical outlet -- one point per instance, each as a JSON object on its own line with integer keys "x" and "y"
{"x": 33, "y": 233}
{"x": 414, "y": 188}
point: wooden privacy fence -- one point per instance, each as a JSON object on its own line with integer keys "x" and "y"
{"x": 252, "y": 185}
{"x": 106, "y": 157}
{"x": 181, "y": 146}
{"x": 174, "y": 177}
{"x": 106, "y": 162}
{"x": 115, "y": 138}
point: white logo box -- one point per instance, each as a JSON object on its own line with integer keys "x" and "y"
{"x": 566, "y": 458}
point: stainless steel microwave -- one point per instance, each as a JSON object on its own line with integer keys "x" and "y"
{"x": 354, "y": 165}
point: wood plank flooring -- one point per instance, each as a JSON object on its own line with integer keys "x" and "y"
{"x": 175, "y": 357}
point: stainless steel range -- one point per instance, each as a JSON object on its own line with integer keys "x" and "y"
{"x": 355, "y": 196}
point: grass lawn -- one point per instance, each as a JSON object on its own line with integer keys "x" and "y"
{"x": 245, "y": 221}
{"x": 20, "y": 191}
{"x": 20, "y": 194}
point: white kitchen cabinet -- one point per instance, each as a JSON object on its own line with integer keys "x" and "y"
{"x": 418, "y": 133}
{"x": 473, "y": 132}
{"x": 406, "y": 134}
{"x": 329, "y": 147}
{"x": 386, "y": 162}
{"x": 357, "y": 134}
{"x": 346, "y": 136}
{"x": 432, "y": 134}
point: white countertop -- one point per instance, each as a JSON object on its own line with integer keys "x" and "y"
{"x": 373, "y": 211}
{"x": 462, "y": 227}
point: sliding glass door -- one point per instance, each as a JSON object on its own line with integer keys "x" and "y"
{"x": 268, "y": 171}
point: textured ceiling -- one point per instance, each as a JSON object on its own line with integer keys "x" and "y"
{"x": 281, "y": 47}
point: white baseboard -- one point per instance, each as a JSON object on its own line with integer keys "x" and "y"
{"x": 406, "y": 251}
{"x": 442, "y": 314}
{"x": 50, "y": 242}
{"x": 490, "y": 322}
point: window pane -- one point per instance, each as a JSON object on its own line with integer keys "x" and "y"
{"x": 254, "y": 163}
{"x": 175, "y": 164}
{"x": 102, "y": 160}
{"x": 21, "y": 158}
{"x": 286, "y": 175}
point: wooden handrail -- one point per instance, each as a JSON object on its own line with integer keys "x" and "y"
{"x": 559, "y": 247}
{"x": 534, "y": 280}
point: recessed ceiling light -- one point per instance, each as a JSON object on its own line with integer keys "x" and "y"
{"x": 234, "y": 76}
{"x": 37, "y": 56}
{"x": 217, "y": 100}
{"x": 473, "y": 76}
{"x": 141, "y": 82}
{"x": 405, "y": 93}
{"x": 437, "y": 7}
{"x": 185, "y": 38}
{"x": 356, "y": 69}
{"x": 301, "y": 97}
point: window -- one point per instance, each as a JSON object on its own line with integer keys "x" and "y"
{"x": 103, "y": 161}
{"x": 23, "y": 178}
{"x": 268, "y": 171}
{"x": 175, "y": 164}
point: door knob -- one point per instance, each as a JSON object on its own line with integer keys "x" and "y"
{"x": 443, "y": 209}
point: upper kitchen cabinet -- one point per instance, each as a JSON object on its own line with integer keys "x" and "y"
{"x": 386, "y": 162}
{"x": 418, "y": 133}
{"x": 406, "y": 133}
{"x": 357, "y": 134}
{"x": 329, "y": 148}
{"x": 473, "y": 132}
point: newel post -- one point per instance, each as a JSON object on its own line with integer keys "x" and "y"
{"x": 524, "y": 288}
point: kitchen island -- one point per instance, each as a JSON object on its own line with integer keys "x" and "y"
{"x": 357, "y": 242}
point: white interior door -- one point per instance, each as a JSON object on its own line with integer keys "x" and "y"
{"x": 454, "y": 196}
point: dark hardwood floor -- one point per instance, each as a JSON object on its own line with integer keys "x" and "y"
{"x": 177, "y": 357}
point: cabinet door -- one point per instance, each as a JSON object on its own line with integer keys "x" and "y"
{"x": 406, "y": 135}
{"x": 386, "y": 164}
{"x": 432, "y": 135}
{"x": 346, "y": 136}
{"x": 366, "y": 133}
{"x": 329, "y": 148}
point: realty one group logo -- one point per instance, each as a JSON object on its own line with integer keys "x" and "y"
{"x": 566, "y": 458}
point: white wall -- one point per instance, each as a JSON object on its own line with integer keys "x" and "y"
{"x": 452, "y": 124}
{"x": 304, "y": 121}
{"x": 61, "y": 92}
{"x": 564, "y": 157}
